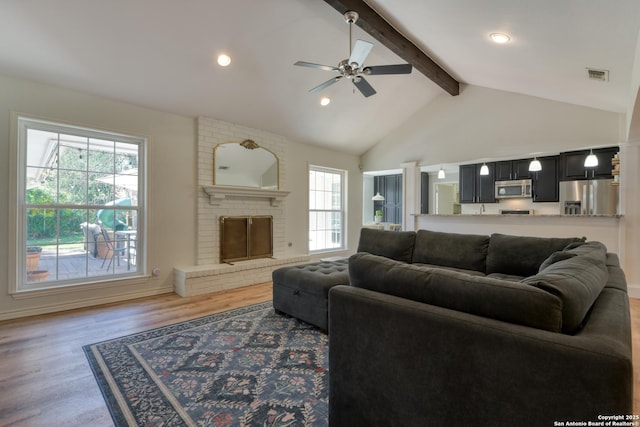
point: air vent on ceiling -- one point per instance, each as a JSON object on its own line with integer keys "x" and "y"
{"x": 601, "y": 75}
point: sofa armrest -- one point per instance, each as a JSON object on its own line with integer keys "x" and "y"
{"x": 395, "y": 361}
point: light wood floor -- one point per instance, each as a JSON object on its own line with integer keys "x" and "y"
{"x": 45, "y": 379}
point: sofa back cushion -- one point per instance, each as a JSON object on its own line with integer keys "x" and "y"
{"x": 577, "y": 281}
{"x": 465, "y": 251}
{"x": 522, "y": 255}
{"x": 396, "y": 245}
{"x": 484, "y": 296}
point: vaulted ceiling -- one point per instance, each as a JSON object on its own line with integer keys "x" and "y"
{"x": 162, "y": 54}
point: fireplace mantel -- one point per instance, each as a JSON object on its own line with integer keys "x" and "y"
{"x": 217, "y": 193}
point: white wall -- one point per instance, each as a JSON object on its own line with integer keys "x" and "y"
{"x": 172, "y": 187}
{"x": 484, "y": 124}
{"x": 297, "y": 206}
{"x": 171, "y": 175}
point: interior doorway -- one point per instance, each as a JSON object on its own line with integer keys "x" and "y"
{"x": 447, "y": 199}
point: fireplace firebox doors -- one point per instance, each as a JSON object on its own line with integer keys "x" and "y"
{"x": 246, "y": 237}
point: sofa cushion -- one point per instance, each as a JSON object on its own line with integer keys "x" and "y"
{"x": 484, "y": 296}
{"x": 396, "y": 245}
{"x": 522, "y": 255}
{"x": 461, "y": 270}
{"x": 502, "y": 276}
{"x": 592, "y": 249}
{"x": 577, "y": 281}
{"x": 464, "y": 251}
{"x": 555, "y": 257}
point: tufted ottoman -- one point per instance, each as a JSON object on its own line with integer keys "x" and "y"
{"x": 302, "y": 291}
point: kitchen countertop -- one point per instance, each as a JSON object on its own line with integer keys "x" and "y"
{"x": 518, "y": 215}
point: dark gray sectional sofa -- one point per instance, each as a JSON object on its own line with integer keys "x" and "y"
{"x": 442, "y": 329}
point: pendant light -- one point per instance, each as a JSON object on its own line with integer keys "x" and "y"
{"x": 484, "y": 169}
{"x": 441, "y": 173}
{"x": 378, "y": 197}
{"x": 535, "y": 165}
{"x": 591, "y": 161}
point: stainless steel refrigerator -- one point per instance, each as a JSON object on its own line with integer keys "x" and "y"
{"x": 588, "y": 197}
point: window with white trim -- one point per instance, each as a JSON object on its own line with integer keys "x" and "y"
{"x": 79, "y": 205}
{"x": 326, "y": 209}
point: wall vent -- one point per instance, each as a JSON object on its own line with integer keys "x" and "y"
{"x": 601, "y": 75}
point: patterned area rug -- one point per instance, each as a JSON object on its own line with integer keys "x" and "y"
{"x": 245, "y": 367}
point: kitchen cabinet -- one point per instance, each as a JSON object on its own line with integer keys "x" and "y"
{"x": 513, "y": 169}
{"x": 545, "y": 182}
{"x": 476, "y": 188}
{"x": 572, "y": 164}
{"x": 467, "y": 184}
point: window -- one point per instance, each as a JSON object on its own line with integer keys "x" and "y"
{"x": 79, "y": 205}
{"x": 326, "y": 209}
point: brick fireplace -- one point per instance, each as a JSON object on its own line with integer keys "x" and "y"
{"x": 210, "y": 274}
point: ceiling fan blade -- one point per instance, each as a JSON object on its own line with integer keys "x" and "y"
{"x": 388, "y": 69}
{"x": 325, "y": 84}
{"x": 320, "y": 66}
{"x": 360, "y": 52}
{"x": 364, "y": 87}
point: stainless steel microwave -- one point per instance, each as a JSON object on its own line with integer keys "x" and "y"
{"x": 513, "y": 189}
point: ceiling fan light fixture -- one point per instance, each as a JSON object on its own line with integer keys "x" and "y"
{"x": 500, "y": 38}
{"x": 224, "y": 60}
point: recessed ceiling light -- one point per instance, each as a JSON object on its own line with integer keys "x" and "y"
{"x": 224, "y": 60}
{"x": 325, "y": 101}
{"x": 500, "y": 38}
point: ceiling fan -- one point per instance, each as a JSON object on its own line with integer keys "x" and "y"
{"x": 352, "y": 68}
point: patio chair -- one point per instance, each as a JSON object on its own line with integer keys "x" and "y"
{"x": 91, "y": 233}
{"x": 111, "y": 248}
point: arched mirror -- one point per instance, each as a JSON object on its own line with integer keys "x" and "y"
{"x": 245, "y": 164}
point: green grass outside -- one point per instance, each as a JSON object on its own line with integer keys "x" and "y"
{"x": 70, "y": 241}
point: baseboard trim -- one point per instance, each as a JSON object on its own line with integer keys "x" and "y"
{"x": 83, "y": 303}
{"x": 633, "y": 291}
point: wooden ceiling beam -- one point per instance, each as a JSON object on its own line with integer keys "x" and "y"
{"x": 374, "y": 24}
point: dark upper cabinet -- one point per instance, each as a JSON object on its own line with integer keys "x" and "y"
{"x": 521, "y": 169}
{"x": 485, "y": 185}
{"x": 572, "y": 164}
{"x": 545, "y": 182}
{"x": 512, "y": 169}
{"x": 504, "y": 171}
{"x": 476, "y": 188}
{"x": 467, "y": 186}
